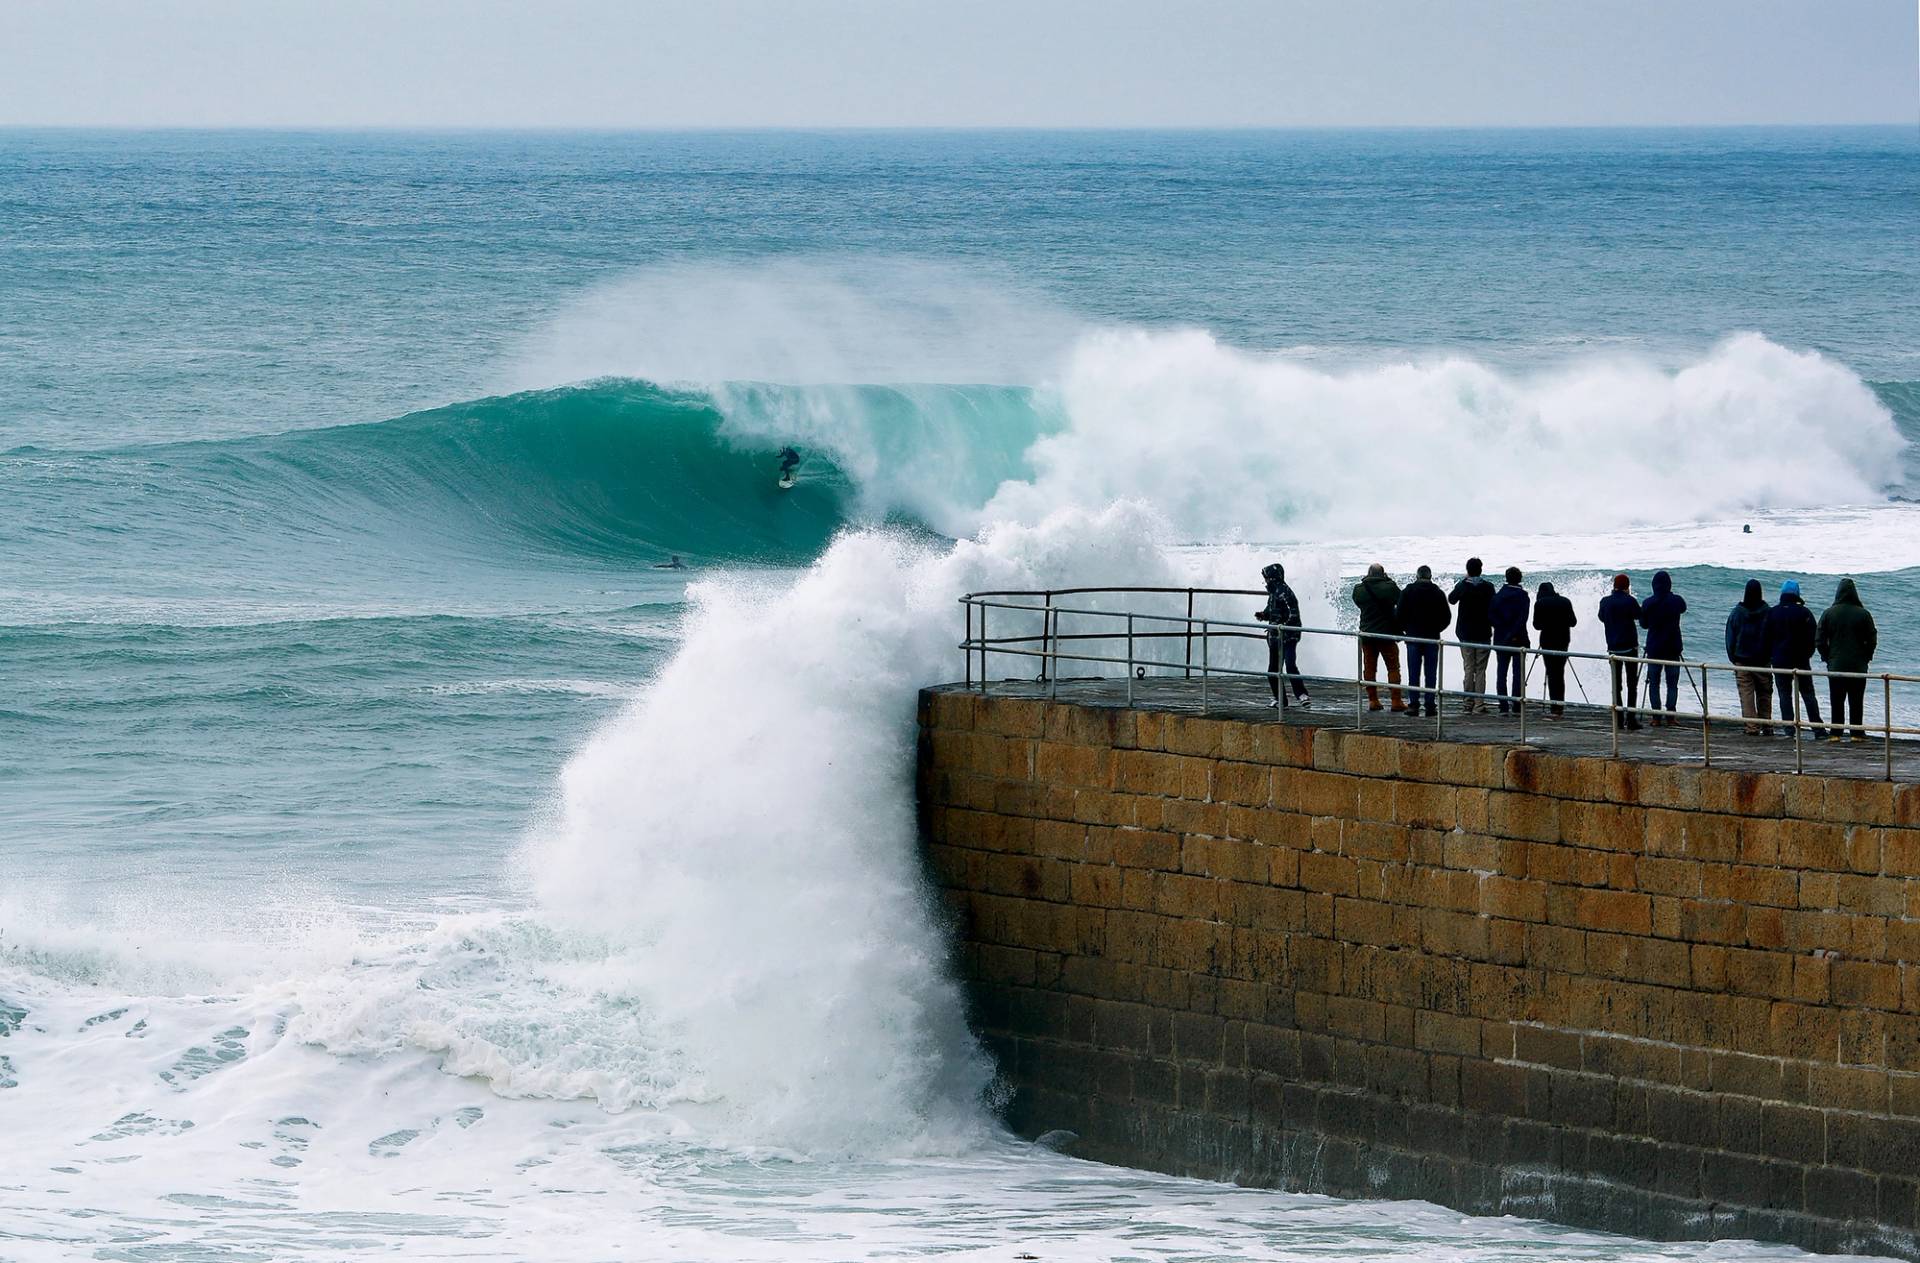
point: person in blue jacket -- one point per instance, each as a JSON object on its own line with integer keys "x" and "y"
{"x": 1792, "y": 632}
{"x": 1508, "y": 612}
{"x": 1620, "y": 617}
{"x": 1660, "y": 615}
{"x": 1747, "y": 647}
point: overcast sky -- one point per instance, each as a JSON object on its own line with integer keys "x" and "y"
{"x": 889, "y": 63}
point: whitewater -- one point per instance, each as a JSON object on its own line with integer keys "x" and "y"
{"x": 400, "y": 864}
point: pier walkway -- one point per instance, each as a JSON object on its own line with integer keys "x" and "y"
{"x": 1585, "y": 730}
{"x": 1192, "y": 651}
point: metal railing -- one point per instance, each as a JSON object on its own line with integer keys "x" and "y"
{"x": 1189, "y": 638}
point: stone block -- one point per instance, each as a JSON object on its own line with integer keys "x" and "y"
{"x": 1059, "y": 763}
{"x": 1246, "y": 784}
{"x": 1528, "y": 817}
{"x": 1140, "y": 848}
{"x": 1427, "y": 806}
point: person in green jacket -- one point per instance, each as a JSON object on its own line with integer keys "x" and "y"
{"x": 1846, "y": 643}
{"x": 1378, "y": 597}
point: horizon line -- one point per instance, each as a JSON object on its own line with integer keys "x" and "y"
{"x": 818, "y": 128}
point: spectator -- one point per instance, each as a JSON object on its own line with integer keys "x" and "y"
{"x": 1747, "y": 647}
{"x": 1474, "y": 630}
{"x": 1378, "y": 597}
{"x": 1846, "y": 640}
{"x": 1282, "y": 616}
{"x": 1508, "y": 610}
{"x": 1620, "y": 617}
{"x": 1554, "y": 619}
{"x": 1423, "y": 613}
{"x": 1660, "y": 615}
{"x": 1791, "y": 635}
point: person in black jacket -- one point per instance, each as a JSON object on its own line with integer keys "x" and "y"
{"x": 1554, "y": 619}
{"x": 1747, "y": 647}
{"x": 1660, "y": 615}
{"x": 1474, "y": 630}
{"x": 1791, "y": 633}
{"x": 1508, "y": 610}
{"x": 1423, "y": 615}
{"x": 1282, "y": 616}
{"x": 1620, "y": 616}
{"x": 1846, "y": 641}
{"x": 1377, "y": 597}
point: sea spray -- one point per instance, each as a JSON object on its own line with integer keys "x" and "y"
{"x": 1233, "y": 445}
{"x": 747, "y": 828}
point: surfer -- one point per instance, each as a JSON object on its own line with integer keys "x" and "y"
{"x": 672, "y": 562}
{"x": 789, "y": 461}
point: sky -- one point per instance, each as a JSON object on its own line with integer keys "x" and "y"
{"x": 956, "y": 63}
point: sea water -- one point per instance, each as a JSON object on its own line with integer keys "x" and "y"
{"x": 395, "y": 861}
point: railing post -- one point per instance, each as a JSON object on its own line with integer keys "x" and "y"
{"x": 1053, "y": 642}
{"x": 1205, "y": 662}
{"x": 1614, "y": 671}
{"x": 1706, "y": 721}
{"x": 966, "y": 641}
{"x": 1046, "y": 621}
{"x": 1526, "y": 668}
{"x": 1359, "y": 682}
{"x": 1886, "y": 717}
{"x": 1129, "y": 666}
{"x": 1793, "y": 695}
{"x": 1439, "y": 694}
{"x": 1190, "y": 634}
{"x": 983, "y": 648}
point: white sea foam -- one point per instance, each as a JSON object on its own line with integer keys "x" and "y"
{"x": 1230, "y": 445}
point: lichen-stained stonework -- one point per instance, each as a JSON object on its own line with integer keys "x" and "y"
{"x": 1655, "y": 999}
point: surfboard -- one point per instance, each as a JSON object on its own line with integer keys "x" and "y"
{"x": 786, "y": 482}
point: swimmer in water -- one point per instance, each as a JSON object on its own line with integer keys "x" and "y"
{"x": 673, "y": 562}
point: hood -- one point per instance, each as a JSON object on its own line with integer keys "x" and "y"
{"x": 1753, "y": 600}
{"x": 1380, "y": 584}
{"x": 1546, "y": 590}
{"x": 1662, "y": 583}
{"x": 1275, "y": 574}
{"x": 1845, "y": 594}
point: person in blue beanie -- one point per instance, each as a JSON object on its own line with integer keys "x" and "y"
{"x": 1792, "y": 632}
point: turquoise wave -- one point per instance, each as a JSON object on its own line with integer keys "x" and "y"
{"x": 620, "y": 470}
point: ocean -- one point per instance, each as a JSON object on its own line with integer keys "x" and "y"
{"x": 398, "y": 862}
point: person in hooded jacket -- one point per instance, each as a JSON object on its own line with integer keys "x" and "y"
{"x": 1846, "y": 641}
{"x": 1747, "y": 647}
{"x": 1378, "y": 597}
{"x": 1620, "y": 617}
{"x": 1474, "y": 630}
{"x": 1554, "y": 619}
{"x": 1423, "y": 614}
{"x": 1660, "y": 615}
{"x": 1281, "y": 613}
{"x": 1508, "y": 610}
{"x": 1791, "y": 635}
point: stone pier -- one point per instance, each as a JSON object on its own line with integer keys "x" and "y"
{"x": 1631, "y": 994}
